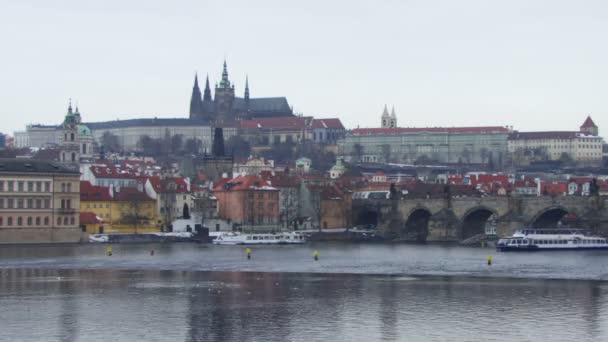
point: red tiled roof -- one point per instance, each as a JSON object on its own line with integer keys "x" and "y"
{"x": 278, "y": 123}
{"x": 243, "y": 183}
{"x": 131, "y": 194}
{"x": 333, "y": 123}
{"x": 89, "y": 218}
{"x": 401, "y": 130}
{"x": 543, "y": 135}
{"x": 588, "y": 123}
{"x": 89, "y": 192}
{"x": 161, "y": 186}
{"x": 111, "y": 171}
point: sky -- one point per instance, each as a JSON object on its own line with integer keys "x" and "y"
{"x": 531, "y": 64}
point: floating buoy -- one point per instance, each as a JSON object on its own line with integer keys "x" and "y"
{"x": 315, "y": 255}
{"x": 248, "y": 251}
{"x": 152, "y": 252}
{"x": 109, "y": 251}
{"x": 489, "y": 260}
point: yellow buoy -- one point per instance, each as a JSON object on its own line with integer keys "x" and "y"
{"x": 315, "y": 255}
{"x": 109, "y": 251}
{"x": 489, "y": 260}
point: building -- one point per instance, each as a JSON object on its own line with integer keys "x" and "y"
{"x": 249, "y": 202}
{"x": 583, "y": 146}
{"x": 39, "y": 202}
{"x": 76, "y": 141}
{"x": 253, "y": 166}
{"x": 272, "y": 131}
{"x": 172, "y": 195}
{"x": 126, "y": 211}
{"x": 420, "y": 145}
{"x": 327, "y": 131}
{"x": 225, "y": 107}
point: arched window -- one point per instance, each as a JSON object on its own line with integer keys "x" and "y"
{"x": 65, "y": 221}
{"x": 69, "y": 187}
{"x": 59, "y": 221}
{"x": 73, "y": 156}
{"x": 19, "y": 221}
{"x": 71, "y": 136}
{"x": 84, "y": 148}
{"x": 37, "y": 221}
{"x": 72, "y": 220}
{"x": 9, "y": 221}
{"x": 1, "y": 220}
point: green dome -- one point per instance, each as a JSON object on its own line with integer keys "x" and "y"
{"x": 84, "y": 130}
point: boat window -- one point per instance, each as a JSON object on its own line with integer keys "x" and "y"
{"x": 525, "y": 242}
{"x": 255, "y": 237}
{"x": 249, "y": 238}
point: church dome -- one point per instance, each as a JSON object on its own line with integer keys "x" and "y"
{"x": 83, "y": 130}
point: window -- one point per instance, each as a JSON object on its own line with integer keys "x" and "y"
{"x": 108, "y": 205}
{"x": 1, "y": 203}
{"x": 59, "y": 221}
{"x": 20, "y": 203}
{"x": 38, "y": 186}
{"x": 68, "y": 204}
{"x": 69, "y": 185}
{"x": 11, "y": 186}
{"x": 30, "y": 203}
{"x": 19, "y": 221}
{"x": 47, "y": 203}
{"x": 30, "y": 186}
{"x": 1, "y": 185}
{"x": 37, "y": 221}
{"x": 29, "y": 221}
{"x": 10, "y": 203}
{"x": 65, "y": 221}
{"x": 47, "y": 186}
{"x": 9, "y": 221}
{"x": 20, "y": 186}
{"x": 72, "y": 220}
{"x": 62, "y": 204}
{"x": 62, "y": 187}
{"x": 46, "y": 221}
{"x": 38, "y": 203}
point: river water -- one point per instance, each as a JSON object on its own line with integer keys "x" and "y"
{"x": 190, "y": 292}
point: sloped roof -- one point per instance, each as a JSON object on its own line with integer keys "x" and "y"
{"x": 543, "y": 135}
{"x": 147, "y": 122}
{"x": 405, "y": 130}
{"x": 33, "y": 166}
{"x": 276, "y": 123}
{"x": 131, "y": 194}
{"x": 89, "y": 218}
{"x": 90, "y": 192}
{"x": 165, "y": 186}
{"x": 588, "y": 123}
{"x": 333, "y": 123}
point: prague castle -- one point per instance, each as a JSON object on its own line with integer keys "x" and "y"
{"x": 225, "y": 107}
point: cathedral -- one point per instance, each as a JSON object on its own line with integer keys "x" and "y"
{"x": 225, "y": 107}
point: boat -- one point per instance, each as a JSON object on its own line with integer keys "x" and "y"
{"x": 532, "y": 239}
{"x": 142, "y": 237}
{"x": 260, "y": 238}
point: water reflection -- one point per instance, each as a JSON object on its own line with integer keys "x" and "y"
{"x": 75, "y": 305}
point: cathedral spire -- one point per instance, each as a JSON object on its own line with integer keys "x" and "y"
{"x": 70, "y": 107}
{"x": 225, "y": 82}
{"x": 207, "y": 94}
{"x": 196, "y": 104}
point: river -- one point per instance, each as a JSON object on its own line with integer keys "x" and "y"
{"x": 355, "y": 292}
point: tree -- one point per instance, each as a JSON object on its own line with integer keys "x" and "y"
{"x": 192, "y": 146}
{"x": 133, "y": 213}
{"x": 149, "y": 146}
{"x": 110, "y": 142}
{"x": 238, "y": 147}
{"x": 566, "y": 159}
{"x": 281, "y": 152}
{"x": 176, "y": 143}
{"x": 386, "y": 152}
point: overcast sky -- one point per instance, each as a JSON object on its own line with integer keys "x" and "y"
{"x": 536, "y": 65}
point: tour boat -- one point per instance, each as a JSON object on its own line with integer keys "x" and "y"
{"x": 532, "y": 239}
{"x": 260, "y": 239}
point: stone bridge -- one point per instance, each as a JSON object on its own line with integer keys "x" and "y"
{"x": 460, "y": 218}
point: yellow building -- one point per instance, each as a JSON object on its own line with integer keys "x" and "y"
{"x": 127, "y": 211}
{"x": 38, "y": 202}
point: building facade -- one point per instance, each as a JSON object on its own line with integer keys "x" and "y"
{"x": 580, "y": 146}
{"x": 39, "y": 202}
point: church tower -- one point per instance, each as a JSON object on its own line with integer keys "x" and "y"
{"x": 386, "y": 119}
{"x": 196, "y": 103}
{"x": 70, "y": 146}
{"x": 224, "y": 98}
{"x": 589, "y": 127}
{"x": 393, "y": 119}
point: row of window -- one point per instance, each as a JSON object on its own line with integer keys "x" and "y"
{"x": 35, "y": 221}
{"x": 556, "y": 242}
{"x": 23, "y": 186}
{"x": 29, "y": 203}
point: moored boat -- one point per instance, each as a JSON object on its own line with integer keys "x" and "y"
{"x": 532, "y": 239}
{"x": 260, "y": 238}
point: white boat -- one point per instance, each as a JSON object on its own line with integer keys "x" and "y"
{"x": 532, "y": 239}
{"x": 260, "y": 239}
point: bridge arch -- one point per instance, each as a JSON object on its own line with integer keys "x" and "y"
{"x": 474, "y": 221}
{"x": 548, "y": 217}
{"x": 416, "y": 226}
{"x": 367, "y": 218}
